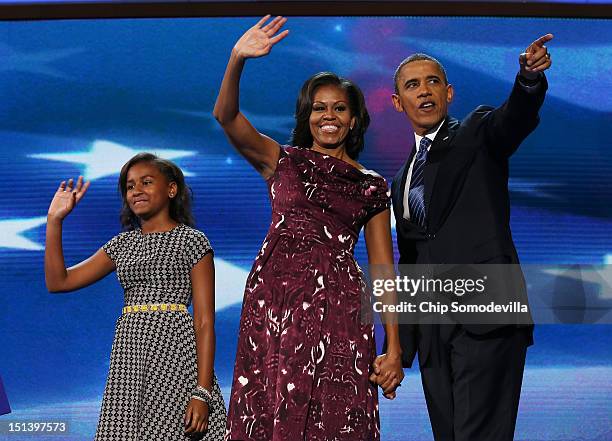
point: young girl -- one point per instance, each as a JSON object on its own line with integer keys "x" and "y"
{"x": 161, "y": 383}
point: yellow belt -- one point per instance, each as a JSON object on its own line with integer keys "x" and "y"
{"x": 155, "y": 307}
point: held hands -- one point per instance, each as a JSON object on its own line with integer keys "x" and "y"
{"x": 66, "y": 198}
{"x": 258, "y": 41}
{"x": 196, "y": 417}
{"x": 388, "y": 373}
{"x": 536, "y": 58}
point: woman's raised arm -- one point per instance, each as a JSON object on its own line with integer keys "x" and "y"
{"x": 260, "y": 150}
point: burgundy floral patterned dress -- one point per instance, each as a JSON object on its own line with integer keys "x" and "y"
{"x": 304, "y": 354}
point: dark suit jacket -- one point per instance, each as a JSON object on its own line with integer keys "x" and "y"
{"x": 467, "y": 198}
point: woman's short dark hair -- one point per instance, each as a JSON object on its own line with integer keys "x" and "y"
{"x": 180, "y": 205}
{"x": 301, "y": 135}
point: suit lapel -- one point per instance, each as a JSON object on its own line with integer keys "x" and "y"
{"x": 439, "y": 148}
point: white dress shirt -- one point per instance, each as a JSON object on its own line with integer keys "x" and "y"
{"x": 417, "y": 141}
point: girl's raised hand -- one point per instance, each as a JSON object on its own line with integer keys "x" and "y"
{"x": 258, "y": 41}
{"x": 66, "y": 197}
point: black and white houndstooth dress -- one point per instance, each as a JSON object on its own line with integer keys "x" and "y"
{"x": 153, "y": 360}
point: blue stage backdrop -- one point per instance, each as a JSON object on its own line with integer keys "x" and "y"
{"x": 83, "y": 96}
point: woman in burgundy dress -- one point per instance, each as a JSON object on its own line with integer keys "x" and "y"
{"x": 304, "y": 354}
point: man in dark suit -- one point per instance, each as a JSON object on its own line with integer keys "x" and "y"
{"x": 451, "y": 204}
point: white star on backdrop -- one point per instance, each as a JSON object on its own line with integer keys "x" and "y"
{"x": 13, "y": 228}
{"x": 229, "y": 284}
{"x": 34, "y": 62}
{"x": 585, "y": 273}
{"x": 105, "y": 158}
{"x": 532, "y": 188}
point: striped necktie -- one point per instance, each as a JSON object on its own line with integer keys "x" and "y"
{"x": 416, "y": 194}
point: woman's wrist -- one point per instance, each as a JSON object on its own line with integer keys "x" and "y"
{"x": 393, "y": 341}
{"x": 236, "y": 56}
{"x": 54, "y": 219}
{"x": 394, "y": 350}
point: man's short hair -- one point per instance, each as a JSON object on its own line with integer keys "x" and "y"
{"x": 418, "y": 57}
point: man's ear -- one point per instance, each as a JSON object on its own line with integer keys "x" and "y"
{"x": 397, "y": 104}
{"x": 450, "y": 92}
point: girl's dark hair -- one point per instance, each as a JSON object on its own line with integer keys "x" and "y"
{"x": 301, "y": 136}
{"x": 180, "y": 205}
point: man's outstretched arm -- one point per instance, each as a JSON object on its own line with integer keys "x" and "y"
{"x": 508, "y": 125}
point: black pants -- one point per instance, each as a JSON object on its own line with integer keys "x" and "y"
{"x": 473, "y": 390}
